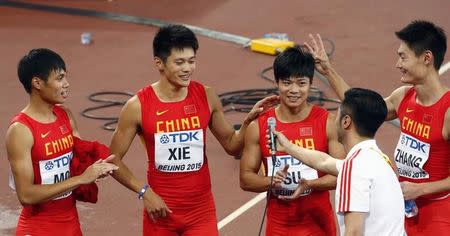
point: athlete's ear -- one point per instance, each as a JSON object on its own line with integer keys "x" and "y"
{"x": 428, "y": 57}
{"x": 159, "y": 63}
{"x": 36, "y": 83}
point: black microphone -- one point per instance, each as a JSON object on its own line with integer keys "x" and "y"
{"x": 272, "y": 123}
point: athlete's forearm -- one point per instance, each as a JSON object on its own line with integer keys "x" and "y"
{"x": 125, "y": 177}
{"x": 236, "y": 142}
{"x": 38, "y": 193}
{"x": 252, "y": 182}
{"x": 337, "y": 83}
{"x": 435, "y": 186}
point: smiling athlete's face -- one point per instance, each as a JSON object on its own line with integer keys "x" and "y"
{"x": 179, "y": 67}
{"x": 56, "y": 89}
{"x": 294, "y": 91}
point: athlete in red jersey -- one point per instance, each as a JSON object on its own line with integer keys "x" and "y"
{"x": 307, "y": 126}
{"x": 171, "y": 116}
{"x": 422, "y": 154}
{"x": 39, "y": 143}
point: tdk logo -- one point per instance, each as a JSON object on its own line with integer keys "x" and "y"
{"x": 180, "y": 137}
{"x": 414, "y": 144}
{"x": 164, "y": 139}
{"x": 277, "y": 163}
{"x": 48, "y": 165}
{"x": 58, "y": 162}
{"x": 288, "y": 160}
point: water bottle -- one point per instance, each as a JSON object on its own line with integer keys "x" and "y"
{"x": 86, "y": 38}
{"x": 411, "y": 209}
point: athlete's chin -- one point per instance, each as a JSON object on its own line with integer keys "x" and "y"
{"x": 405, "y": 80}
{"x": 184, "y": 83}
{"x": 294, "y": 103}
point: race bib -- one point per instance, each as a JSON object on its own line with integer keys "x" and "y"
{"x": 297, "y": 171}
{"x": 411, "y": 155}
{"x": 56, "y": 170}
{"x": 179, "y": 151}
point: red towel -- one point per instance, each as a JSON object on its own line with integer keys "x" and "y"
{"x": 85, "y": 153}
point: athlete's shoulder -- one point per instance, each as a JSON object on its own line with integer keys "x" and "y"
{"x": 20, "y": 130}
{"x": 133, "y": 103}
{"x": 19, "y": 117}
{"x": 401, "y": 93}
{"x": 145, "y": 90}
{"x": 318, "y": 112}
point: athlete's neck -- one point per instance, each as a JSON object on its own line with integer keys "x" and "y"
{"x": 40, "y": 110}
{"x": 293, "y": 114}
{"x": 168, "y": 92}
{"x": 430, "y": 90}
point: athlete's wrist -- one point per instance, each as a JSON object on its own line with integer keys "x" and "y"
{"x": 143, "y": 190}
{"x": 423, "y": 189}
{"x": 247, "y": 122}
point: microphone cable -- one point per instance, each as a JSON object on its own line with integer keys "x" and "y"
{"x": 269, "y": 193}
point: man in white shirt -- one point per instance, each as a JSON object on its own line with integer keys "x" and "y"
{"x": 369, "y": 200}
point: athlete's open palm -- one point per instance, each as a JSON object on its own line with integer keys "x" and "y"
{"x": 301, "y": 188}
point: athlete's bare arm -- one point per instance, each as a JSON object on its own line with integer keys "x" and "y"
{"x": 251, "y": 161}
{"x": 127, "y": 128}
{"x": 354, "y": 223}
{"x": 230, "y": 139}
{"x": 393, "y": 101}
{"x": 19, "y": 142}
{"x": 123, "y": 136}
{"x": 446, "y": 128}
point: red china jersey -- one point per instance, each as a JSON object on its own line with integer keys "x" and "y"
{"x": 422, "y": 153}
{"x": 174, "y": 134}
{"x": 311, "y": 212}
{"x": 51, "y": 154}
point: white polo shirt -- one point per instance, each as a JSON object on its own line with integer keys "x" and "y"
{"x": 367, "y": 183}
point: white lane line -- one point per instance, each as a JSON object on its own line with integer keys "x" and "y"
{"x": 241, "y": 210}
{"x": 444, "y": 68}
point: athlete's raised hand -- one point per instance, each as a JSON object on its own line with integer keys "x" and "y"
{"x": 156, "y": 207}
{"x": 319, "y": 54}
{"x": 261, "y": 106}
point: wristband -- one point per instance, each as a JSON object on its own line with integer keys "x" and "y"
{"x": 142, "y": 191}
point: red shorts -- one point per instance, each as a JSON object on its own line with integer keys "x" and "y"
{"x": 433, "y": 218}
{"x": 61, "y": 224}
{"x": 200, "y": 219}
{"x": 308, "y": 215}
